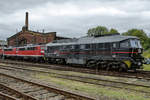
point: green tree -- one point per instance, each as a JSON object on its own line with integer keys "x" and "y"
{"x": 141, "y": 35}
{"x": 100, "y": 30}
{"x": 147, "y": 44}
{"x": 113, "y": 31}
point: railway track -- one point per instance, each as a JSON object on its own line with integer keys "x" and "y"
{"x": 15, "y": 88}
{"x": 85, "y": 79}
{"x": 139, "y": 74}
{"x": 12, "y": 94}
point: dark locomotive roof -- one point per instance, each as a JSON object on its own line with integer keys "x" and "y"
{"x": 87, "y": 40}
{"x": 65, "y": 40}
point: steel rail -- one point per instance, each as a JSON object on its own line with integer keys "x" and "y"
{"x": 6, "y": 97}
{"x": 67, "y": 94}
{"x": 138, "y": 75}
{"x": 80, "y": 79}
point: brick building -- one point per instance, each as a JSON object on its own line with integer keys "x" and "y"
{"x": 26, "y": 36}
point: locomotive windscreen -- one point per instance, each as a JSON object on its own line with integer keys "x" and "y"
{"x": 132, "y": 43}
{"x": 135, "y": 43}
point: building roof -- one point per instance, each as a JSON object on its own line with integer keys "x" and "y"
{"x": 31, "y": 32}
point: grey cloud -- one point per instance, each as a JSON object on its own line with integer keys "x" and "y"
{"x": 75, "y": 26}
{"x": 10, "y": 6}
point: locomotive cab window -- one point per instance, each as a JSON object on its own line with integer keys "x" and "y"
{"x": 87, "y": 46}
{"x": 62, "y": 47}
{"x": 31, "y": 48}
{"x": 135, "y": 43}
{"x": 82, "y": 46}
{"x": 8, "y": 49}
{"x": 76, "y": 46}
{"x": 54, "y": 47}
{"x": 125, "y": 44}
{"x": 114, "y": 45}
{"x": 65, "y": 47}
{"x": 72, "y": 47}
{"x": 68, "y": 47}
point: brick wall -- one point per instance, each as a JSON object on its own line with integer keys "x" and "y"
{"x": 30, "y": 37}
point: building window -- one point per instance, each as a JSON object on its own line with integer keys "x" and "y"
{"x": 21, "y": 49}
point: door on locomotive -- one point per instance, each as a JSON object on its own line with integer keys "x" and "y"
{"x": 137, "y": 50}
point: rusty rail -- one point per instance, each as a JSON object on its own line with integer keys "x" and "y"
{"x": 139, "y": 74}
{"x": 67, "y": 94}
{"x": 6, "y": 97}
{"x": 81, "y": 79}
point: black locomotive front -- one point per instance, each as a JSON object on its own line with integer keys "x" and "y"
{"x": 130, "y": 51}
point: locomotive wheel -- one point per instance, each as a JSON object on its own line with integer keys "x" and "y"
{"x": 91, "y": 64}
{"x": 120, "y": 69}
{"x": 60, "y": 61}
{"x": 109, "y": 67}
{"x": 102, "y": 65}
{"x": 123, "y": 67}
{"x": 88, "y": 65}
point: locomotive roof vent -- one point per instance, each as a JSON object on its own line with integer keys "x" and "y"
{"x": 106, "y": 35}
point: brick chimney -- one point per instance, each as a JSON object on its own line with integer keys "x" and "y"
{"x": 26, "y": 21}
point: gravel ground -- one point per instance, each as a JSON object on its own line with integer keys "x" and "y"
{"x": 105, "y": 93}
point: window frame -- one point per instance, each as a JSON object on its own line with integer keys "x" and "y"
{"x": 125, "y": 46}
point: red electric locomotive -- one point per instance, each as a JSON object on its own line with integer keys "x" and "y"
{"x": 31, "y": 52}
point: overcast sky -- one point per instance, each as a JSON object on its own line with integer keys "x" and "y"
{"x": 72, "y": 18}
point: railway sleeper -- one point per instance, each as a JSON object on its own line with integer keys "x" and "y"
{"x": 59, "y": 97}
{"x": 6, "y": 97}
{"x": 14, "y": 93}
{"x": 31, "y": 89}
{"x": 45, "y": 96}
{"x": 37, "y": 93}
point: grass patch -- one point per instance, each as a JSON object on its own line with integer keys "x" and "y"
{"x": 99, "y": 91}
{"x": 146, "y": 53}
{"x": 146, "y": 67}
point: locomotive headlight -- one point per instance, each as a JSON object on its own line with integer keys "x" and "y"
{"x": 42, "y": 51}
{"x": 139, "y": 63}
{"x": 139, "y": 51}
{"x": 114, "y": 55}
